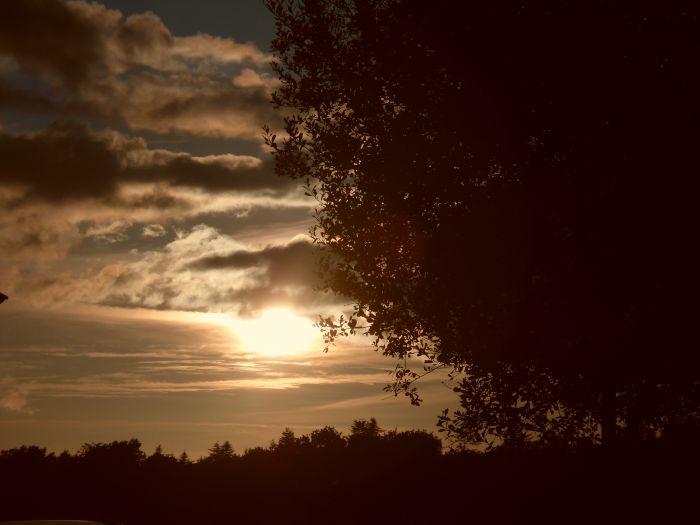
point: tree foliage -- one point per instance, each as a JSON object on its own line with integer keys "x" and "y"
{"x": 345, "y": 481}
{"x": 220, "y": 453}
{"x": 505, "y": 189}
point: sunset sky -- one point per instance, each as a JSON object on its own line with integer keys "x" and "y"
{"x": 161, "y": 281}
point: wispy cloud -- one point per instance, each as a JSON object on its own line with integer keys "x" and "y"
{"x": 200, "y": 270}
{"x": 14, "y": 396}
{"x": 153, "y": 230}
{"x": 94, "y": 354}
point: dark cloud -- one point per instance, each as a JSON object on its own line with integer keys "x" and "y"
{"x": 210, "y": 173}
{"x": 291, "y": 264}
{"x": 12, "y": 97}
{"x": 92, "y": 60}
{"x": 62, "y": 161}
{"x": 67, "y": 161}
{"x": 288, "y": 277}
{"x": 76, "y": 42}
{"x": 49, "y": 36}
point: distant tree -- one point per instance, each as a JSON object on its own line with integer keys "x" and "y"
{"x": 220, "y": 452}
{"x": 117, "y": 454}
{"x": 256, "y": 452}
{"x": 368, "y": 428}
{"x": 414, "y": 444}
{"x": 327, "y": 438}
{"x": 506, "y": 190}
{"x": 287, "y": 439}
{"x": 158, "y": 460}
{"x": 365, "y": 433}
{"x": 119, "y": 468}
{"x": 289, "y": 445}
{"x": 31, "y": 453}
{"x": 65, "y": 458}
{"x": 28, "y": 457}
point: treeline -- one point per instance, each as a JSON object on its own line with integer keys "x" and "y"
{"x": 368, "y": 476}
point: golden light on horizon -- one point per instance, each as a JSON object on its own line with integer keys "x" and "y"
{"x": 276, "y": 332}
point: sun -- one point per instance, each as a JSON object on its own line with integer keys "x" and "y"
{"x": 276, "y": 332}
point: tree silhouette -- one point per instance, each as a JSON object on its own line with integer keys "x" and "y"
{"x": 364, "y": 430}
{"x": 504, "y": 190}
{"x": 287, "y": 440}
{"x": 327, "y": 438}
{"x": 413, "y": 444}
{"x": 325, "y": 479}
{"x": 221, "y": 452}
{"x": 113, "y": 455}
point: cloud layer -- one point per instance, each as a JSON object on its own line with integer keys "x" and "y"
{"x": 67, "y": 161}
{"x": 78, "y": 83}
{"x": 204, "y": 270}
{"x": 82, "y": 58}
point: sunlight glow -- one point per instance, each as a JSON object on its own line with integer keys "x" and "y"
{"x": 277, "y": 332}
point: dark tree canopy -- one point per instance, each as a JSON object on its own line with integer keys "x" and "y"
{"x": 507, "y": 189}
{"x": 325, "y": 477}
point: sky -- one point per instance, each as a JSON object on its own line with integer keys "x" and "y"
{"x": 160, "y": 277}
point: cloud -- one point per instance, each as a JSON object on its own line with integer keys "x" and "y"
{"x": 110, "y": 232}
{"x": 202, "y": 47}
{"x": 154, "y": 230}
{"x": 68, "y": 161}
{"x": 14, "y": 396}
{"x": 290, "y": 264}
{"x": 200, "y": 269}
{"x": 28, "y": 232}
{"x": 127, "y": 353}
{"x": 101, "y": 216}
{"x": 245, "y": 280}
{"x": 77, "y": 41}
{"x": 18, "y": 98}
{"x": 65, "y": 188}
{"x": 197, "y": 108}
{"x": 95, "y": 61}
{"x": 52, "y": 38}
{"x": 251, "y": 78}
{"x": 285, "y": 275}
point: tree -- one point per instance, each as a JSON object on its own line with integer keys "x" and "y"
{"x": 413, "y": 444}
{"x": 160, "y": 461}
{"x": 219, "y": 453}
{"x": 287, "y": 440}
{"x": 504, "y": 190}
{"x": 115, "y": 455}
{"x": 327, "y": 438}
{"x": 365, "y": 434}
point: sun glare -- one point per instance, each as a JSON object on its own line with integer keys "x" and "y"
{"x": 276, "y": 332}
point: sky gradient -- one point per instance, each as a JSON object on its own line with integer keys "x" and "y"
{"x": 144, "y": 235}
